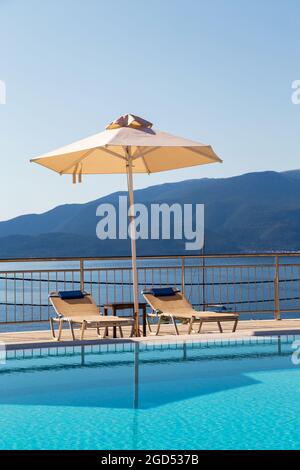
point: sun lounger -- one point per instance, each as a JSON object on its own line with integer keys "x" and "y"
{"x": 76, "y": 307}
{"x": 171, "y": 303}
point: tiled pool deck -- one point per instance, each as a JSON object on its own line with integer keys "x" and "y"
{"x": 246, "y": 329}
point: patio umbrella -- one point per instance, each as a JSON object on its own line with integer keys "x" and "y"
{"x": 128, "y": 145}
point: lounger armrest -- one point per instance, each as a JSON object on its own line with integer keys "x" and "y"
{"x": 157, "y": 311}
{"x": 58, "y": 316}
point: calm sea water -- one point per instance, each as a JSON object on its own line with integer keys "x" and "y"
{"x": 185, "y": 396}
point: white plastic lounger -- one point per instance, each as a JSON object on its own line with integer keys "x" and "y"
{"x": 76, "y": 307}
{"x": 171, "y": 303}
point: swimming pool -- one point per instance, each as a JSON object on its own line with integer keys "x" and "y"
{"x": 224, "y": 395}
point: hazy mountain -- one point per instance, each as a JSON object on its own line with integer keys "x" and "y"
{"x": 252, "y": 212}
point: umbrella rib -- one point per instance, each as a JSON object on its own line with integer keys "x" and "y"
{"x": 145, "y": 164}
{"x": 213, "y": 158}
{"x": 115, "y": 154}
{"x": 142, "y": 156}
{"x": 85, "y": 155}
{"x": 145, "y": 153}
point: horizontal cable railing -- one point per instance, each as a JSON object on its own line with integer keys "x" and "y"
{"x": 255, "y": 285}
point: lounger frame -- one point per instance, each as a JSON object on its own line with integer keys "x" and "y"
{"x": 188, "y": 314}
{"x": 83, "y": 320}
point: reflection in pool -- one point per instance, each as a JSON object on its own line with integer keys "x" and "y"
{"x": 152, "y": 396}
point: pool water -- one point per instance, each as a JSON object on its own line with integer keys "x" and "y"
{"x": 229, "y": 395}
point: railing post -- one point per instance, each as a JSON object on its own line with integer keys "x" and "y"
{"x": 182, "y": 275}
{"x": 276, "y": 291}
{"x": 81, "y": 274}
{"x": 203, "y": 283}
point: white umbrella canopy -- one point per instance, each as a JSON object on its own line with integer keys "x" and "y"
{"x": 128, "y": 145}
{"x": 151, "y": 151}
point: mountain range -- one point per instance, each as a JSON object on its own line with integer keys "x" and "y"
{"x": 254, "y": 212}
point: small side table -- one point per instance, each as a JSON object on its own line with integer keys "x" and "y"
{"x": 115, "y": 306}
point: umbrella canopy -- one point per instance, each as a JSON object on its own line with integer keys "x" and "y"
{"x": 128, "y": 145}
{"x": 151, "y": 151}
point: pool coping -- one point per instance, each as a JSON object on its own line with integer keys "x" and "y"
{"x": 166, "y": 339}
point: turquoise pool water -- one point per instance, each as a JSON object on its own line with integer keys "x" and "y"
{"x": 244, "y": 395}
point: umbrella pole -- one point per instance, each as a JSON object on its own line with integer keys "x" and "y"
{"x": 133, "y": 241}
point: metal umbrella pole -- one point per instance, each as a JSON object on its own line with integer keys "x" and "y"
{"x": 133, "y": 240}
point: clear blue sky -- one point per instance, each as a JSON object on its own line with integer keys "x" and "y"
{"x": 217, "y": 71}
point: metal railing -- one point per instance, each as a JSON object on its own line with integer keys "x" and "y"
{"x": 255, "y": 285}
